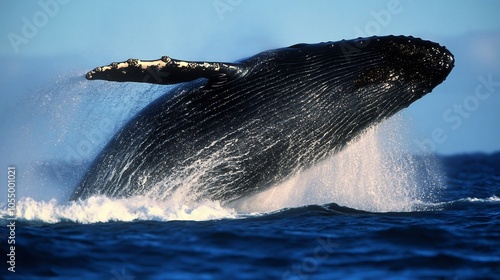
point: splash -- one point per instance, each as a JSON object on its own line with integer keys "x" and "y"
{"x": 373, "y": 173}
{"x": 376, "y": 173}
{"x": 103, "y": 209}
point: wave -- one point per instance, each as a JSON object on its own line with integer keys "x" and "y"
{"x": 493, "y": 198}
{"x": 456, "y": 204}
{"x": 101, "y": 209}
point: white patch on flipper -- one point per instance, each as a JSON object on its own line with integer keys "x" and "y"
{"x": 182, "y": 64}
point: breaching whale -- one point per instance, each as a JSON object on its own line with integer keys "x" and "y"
{"x": 234, "y": 129}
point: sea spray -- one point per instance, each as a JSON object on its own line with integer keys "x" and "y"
{"x": 376, "y": 172}
{"x": 64, "y": 124}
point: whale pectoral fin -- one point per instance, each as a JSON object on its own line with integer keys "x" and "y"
{"x": 165, "y": 71}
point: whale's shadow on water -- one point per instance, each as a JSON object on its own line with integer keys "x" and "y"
{"x": 235, "y": 129}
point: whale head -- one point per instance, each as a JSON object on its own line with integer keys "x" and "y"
{"x": 367, "y": 79}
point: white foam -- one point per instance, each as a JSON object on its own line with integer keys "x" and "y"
{"x": 493, "y": 198}
{"x": 102, "y": 209}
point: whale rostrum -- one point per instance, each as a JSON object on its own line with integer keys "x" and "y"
{"x": 233, "y": 129}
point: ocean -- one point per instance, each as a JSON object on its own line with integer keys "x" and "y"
{"x": 372, "y": 211}
{"x": 455, "y": 237}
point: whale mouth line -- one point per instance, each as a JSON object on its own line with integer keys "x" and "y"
{"x": 234, "y": 129}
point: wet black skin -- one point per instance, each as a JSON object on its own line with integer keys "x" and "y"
{"x": 234, "y": 129}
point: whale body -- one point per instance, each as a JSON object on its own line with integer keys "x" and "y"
{"x": 233, "y": 129}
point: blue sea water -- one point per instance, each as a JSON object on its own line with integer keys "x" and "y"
{"x": 370, "y": 212}
{"x": 455, "y": 237}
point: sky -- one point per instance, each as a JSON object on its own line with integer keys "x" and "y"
{"x": 46, "y": 43}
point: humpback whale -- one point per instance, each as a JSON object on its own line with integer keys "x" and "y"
{"x": 233, "y": 129}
